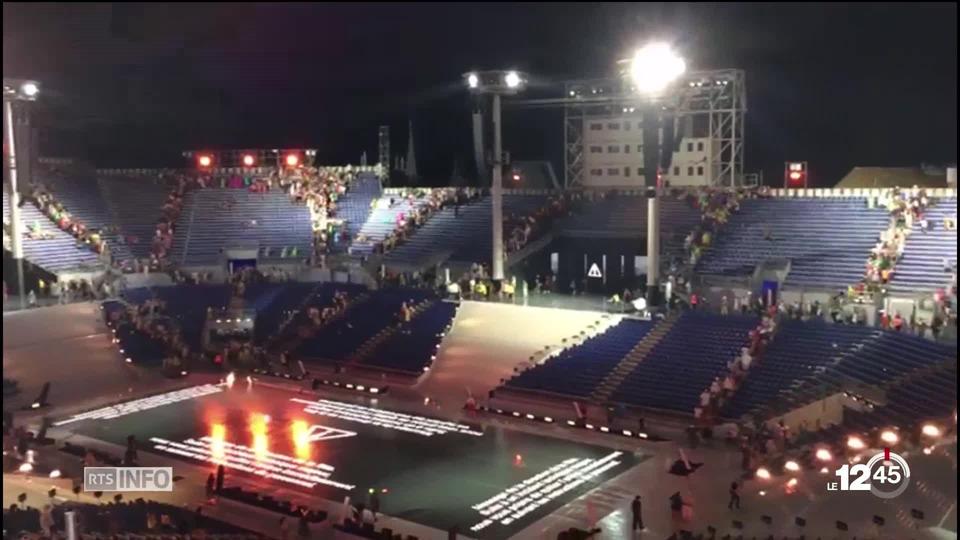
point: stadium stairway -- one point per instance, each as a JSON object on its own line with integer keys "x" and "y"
{"x": 381, "y": 222}
{"x": 921, "y": 268}
{"x": 364, "y": 352}
{"x": 629, "y": 362}
{"x": 354, "y": 206}
{"x": 135, "y": 206}
{"x": 81, "y": 197}
{"x": 304, "y": 331}
{"x": 811, "y": 360}
{"x": 58, "y": 253}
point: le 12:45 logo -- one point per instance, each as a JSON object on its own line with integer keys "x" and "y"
{"x": 886, "y": 475}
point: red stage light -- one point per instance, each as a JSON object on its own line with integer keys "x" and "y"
{"x": 292, "y": 160}
{"x": 794, "y": 175}
{"x": 248, "y": 160}
{"x": 205, "y": 161}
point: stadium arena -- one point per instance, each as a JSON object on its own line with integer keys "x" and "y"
{"x": 323, "y": 351}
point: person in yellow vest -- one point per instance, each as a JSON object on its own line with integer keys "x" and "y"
{"x": 508, "y": 289}
{"x": 481, "y": 289}
{"x": 42, "y": 286}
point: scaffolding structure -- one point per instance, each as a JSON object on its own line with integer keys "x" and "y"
{"x": 716, "y": 97}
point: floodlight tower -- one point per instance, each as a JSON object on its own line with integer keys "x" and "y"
{"x": 651, "y": 71}
{"x": 496, "y": 84}
{"x": 16, "y": 91}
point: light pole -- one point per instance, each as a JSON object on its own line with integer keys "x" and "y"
{"x": 651, "y": 70}
{"x": 496, "y": 83}
{"x": 16, "y": 90}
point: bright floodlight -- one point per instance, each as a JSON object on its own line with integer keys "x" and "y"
{"x": 889, "y": 436}
{"x": 931, "y": 430}
{"x": 205, "y": 161}
{"x": 654, "y": 67}
{"x": 292, "y": 160}
{"x": 824, "y": 455}
{"x": 855, "y": 443}
{"x": 30, "y": 89}
{"x": 791, "y": 466}
{"x": 472, "y": 80}
{"x": 512, "y": 78}
{"x": 763, "y": 473}
{"x": 248, "y": 160}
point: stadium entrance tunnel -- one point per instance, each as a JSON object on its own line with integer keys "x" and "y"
{"x": 596, "y": 265}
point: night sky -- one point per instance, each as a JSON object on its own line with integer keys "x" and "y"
{"x": 134, "y": 85}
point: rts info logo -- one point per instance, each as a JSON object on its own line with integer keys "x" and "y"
{"x": 886, "y": 475}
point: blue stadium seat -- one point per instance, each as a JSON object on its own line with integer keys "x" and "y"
{"x": 218, "y": 218}
{"x": 685, "y": 361}
{"x": 412, "y": 347}
{"x": 826, "y": 239}
{"x": 577, "y": 371}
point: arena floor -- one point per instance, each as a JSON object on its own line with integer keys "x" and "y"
{"x": 488, "y": 481}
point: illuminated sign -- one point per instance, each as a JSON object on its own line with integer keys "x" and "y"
{"x": 271, "y": 465}
{"x": 144, "y": 404}
{"x": 409, "y": 423}
{"x": 519, "y": 500}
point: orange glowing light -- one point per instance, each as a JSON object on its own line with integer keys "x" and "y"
{"x": 258, "y": 427}
{"x": 292, "y": 160}
{"x": 301, "y": 438}
{"x": 205, "y": 161}
{"x": 218, "y": 434}
{"x": 248, "y": 160}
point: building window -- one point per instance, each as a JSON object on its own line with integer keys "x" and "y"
{"x": 639, "y": 148}
{"x": 626, "y": 171}
{"x": 676, "y": 171}
{"x": 700, "y": 146}
{"x": 596, "y": 149}
{"x": 613, "y": 125}
{"x": 689, "y": 147}
{"x": 613, "y": 172}
{"x": 613, "y": 149}
{"x": 689, "y": 171}
{"x": 700, "y": 171}
{"x": 596, "y": 127}
{"x": 639, "y": 171}
{"x": 596, "y": 172}
{"x": 626, "y": 149}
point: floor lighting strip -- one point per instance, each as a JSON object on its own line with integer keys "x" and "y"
{"x": 267, "y": 464}
{"x": 519, "y": 500}
{"x": 419, "y": 425}
{"x": 144, "y": 404}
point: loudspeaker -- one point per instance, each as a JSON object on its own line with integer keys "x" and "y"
{"x": 799, "y": 521}
{"x": 879, "y": 521}
{"x": 842, "y": 526}
{"x": 916, "y": 514}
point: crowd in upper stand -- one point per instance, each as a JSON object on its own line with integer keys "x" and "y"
{"x": 434, "y": 200}
{"x": 44, "y": 199}
{"x": 523, "y": 229}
